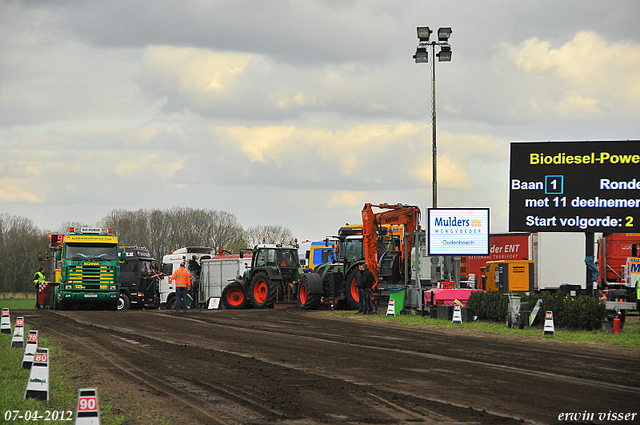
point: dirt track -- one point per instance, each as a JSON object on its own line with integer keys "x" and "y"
{"x": 287, "y": 366}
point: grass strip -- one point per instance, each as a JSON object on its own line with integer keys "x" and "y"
{"x": 62, "y": 395}
{"x": 629, "y": 338}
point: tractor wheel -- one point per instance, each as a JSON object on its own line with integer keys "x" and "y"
{"x": 234, "y": 297}
{"x": 124, "y": 302}
{"x": 307, "y": 301}
{"x": 351, "y": 291}
{"x": 263, "y": 291}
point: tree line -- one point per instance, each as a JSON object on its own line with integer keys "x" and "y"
{"x": 23, "y": 246}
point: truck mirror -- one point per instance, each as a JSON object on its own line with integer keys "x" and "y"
{"x": 241, "y": 254}
{"x": 59, "y": 254}
{"x": 122, "y": 255}
{"x": 634, "y": 250}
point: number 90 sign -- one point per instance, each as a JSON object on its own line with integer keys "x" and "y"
{"x": 87, "y": 404}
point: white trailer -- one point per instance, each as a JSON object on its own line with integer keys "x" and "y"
{"x": 559, "y": 260}
{"x": 171, "y": 262}
{"x": 219, "y": 279}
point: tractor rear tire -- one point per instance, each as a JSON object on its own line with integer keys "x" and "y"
{"x": 351, "y": 291}
{"x": 307, "y": 301}
{"x": 263, "y": 291}
{"x": 234, "y": 297}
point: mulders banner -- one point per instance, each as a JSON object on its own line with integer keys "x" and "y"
{"x": 458, "y": 231}
{"x": 575, "y": 187}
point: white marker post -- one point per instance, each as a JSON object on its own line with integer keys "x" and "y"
{"x": 549, "y": 328}
{"x": 18, "y": 334}
{"x": 457, "y": 314}
{"x": 5, "y": 322}
{"x": 391, "y": 308}
{"x": 30, "y": 349}
{"x": 88, "y": 410}
{"x": 38, "y": 384}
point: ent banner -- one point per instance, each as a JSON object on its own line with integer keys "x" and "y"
{"x": 575, "y": 187}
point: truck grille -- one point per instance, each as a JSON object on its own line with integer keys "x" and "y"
{"x": 88, "y": 275}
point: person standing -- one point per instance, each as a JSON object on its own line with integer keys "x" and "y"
{"x": 366, "y": 283}
{"x": 195, "y": 288}
{"x": 194, "y": 269}
{"x": 182, "y": 279}
{"x": 38, "y": 279}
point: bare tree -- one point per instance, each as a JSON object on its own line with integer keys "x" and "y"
{"x": 20, "y": 242}
{"x": 163, "y": 231}
{"x": 270, "y": 233}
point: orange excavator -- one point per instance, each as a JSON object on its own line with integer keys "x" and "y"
{"x": 385, "y": 253}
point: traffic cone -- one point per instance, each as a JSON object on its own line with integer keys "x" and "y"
{"x": 88, "y": 410}
{"x": 549, "y": 328}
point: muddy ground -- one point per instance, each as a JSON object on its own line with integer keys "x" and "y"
{"x": 284, "y": 366}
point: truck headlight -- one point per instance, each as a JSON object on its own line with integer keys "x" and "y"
{"x": 112, "y": 287}
{"x": 68, "y": 286}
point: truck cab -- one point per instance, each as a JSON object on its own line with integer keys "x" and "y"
{"x": 138, "y": 286}
{"x": 171, "y": 262}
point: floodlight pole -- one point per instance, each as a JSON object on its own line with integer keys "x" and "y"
{"x": 434, "y": 152}
{"x": 421, "y": 56}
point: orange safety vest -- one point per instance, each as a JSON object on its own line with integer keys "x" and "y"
{"x": 182, "y": 278}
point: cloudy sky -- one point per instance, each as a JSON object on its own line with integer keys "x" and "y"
{"x": 296, "y": 113}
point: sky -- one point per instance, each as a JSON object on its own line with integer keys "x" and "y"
{"x": 296, "y": 113}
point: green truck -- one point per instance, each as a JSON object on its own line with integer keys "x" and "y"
{"x": 88, "y": 272}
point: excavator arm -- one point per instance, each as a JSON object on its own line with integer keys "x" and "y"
{"x": 372, "y": 227}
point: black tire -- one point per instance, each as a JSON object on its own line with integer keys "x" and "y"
{"x": 307, "y": 301}
{"x": 124, "y": 302}
{"x": 171, "y": 304}
{"x": 350, "y": 291}
{"x": 263, "y": 291}
{"x": 234, "y": 296}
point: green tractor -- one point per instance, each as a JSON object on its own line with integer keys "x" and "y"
{"x": 275, "y": 275}
{"x": 333, "y": 283}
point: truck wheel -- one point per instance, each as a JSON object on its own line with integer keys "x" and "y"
{"x": 351, "y": 291}
{"x": 171, "y": 304}
{"x": 234, "y": 297}
{"x": 307, "y": 301}
{"x": 263, "y": 291}
{"x": 124, "y": 302}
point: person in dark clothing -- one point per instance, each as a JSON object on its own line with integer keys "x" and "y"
{"x": 366, "y": 282}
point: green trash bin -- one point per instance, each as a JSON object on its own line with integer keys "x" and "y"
{"x": 397, "y": 294}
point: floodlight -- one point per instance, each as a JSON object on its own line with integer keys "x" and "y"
{"x": 445, "y": 54}
{"x": 424, "y": 33}
{"x": 444, "y": 33}
{"x": 421, "y": 55}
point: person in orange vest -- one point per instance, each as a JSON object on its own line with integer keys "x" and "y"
{"x": 182, "y": 278}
